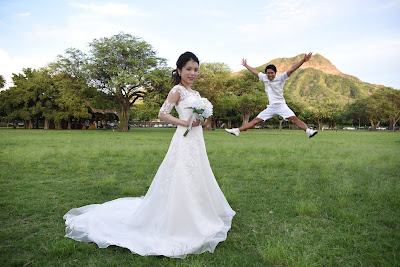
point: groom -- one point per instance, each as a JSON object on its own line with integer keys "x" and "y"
{"x": 277, "y": 104}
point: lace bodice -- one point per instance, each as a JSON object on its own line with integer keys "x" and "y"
{"x": 185, "y": 98}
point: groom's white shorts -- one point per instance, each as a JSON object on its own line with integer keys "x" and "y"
{"x": 273, "y": 110}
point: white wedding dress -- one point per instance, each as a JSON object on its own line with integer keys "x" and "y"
{"x": 183, "y": 212}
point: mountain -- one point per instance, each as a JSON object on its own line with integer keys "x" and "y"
{"x": 313, "y": 87}
{"x": 319, "y": 83}
{"x": 317, "y": 62}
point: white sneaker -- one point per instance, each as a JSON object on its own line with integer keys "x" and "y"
{"x": 234, "y": 131}
{"x": 311, "y": 132}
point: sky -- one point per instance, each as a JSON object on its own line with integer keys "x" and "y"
{"x": 360, "y": 37}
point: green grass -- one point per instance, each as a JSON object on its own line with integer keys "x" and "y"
{"x": 333, "y": 200}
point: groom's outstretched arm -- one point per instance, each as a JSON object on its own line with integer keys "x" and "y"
{"x": 297, "y": 65}
{"x": 252, "y": 70}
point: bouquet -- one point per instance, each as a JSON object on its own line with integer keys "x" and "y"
{"x": 202, "y": 109}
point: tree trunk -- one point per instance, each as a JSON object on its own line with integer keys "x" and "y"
{"x": 374, "y": 126}
{"x": 207, "y": 125}
{"x": 245, "y": 116}
{"x": 30, "y": 124}
{"x": 69, "y": 124}
{"x": 124, "y": 116}
{"x": 46, "y": 124}
{"x": 394, "y": 121}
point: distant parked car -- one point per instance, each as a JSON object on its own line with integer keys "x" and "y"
{"x": 381, "y": 128}
{"x": 349, "y": 128}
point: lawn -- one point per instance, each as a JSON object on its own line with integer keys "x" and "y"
{"x": 333, "y": 200}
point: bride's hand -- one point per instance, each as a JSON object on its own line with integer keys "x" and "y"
{"x": 195, "y": 122}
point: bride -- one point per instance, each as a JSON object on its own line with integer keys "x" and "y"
{"x": 184, "y": 211}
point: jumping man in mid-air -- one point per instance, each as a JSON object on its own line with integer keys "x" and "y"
{"x": 277, "y": 104}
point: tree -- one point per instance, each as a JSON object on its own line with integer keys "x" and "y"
{"x": 2, "y": 82}
{"x": 122, "y": 66}
{"x": 37, "y": 95}
{"x": 247, "y": 94}
{"x": 68, "y": 105}
{"x": 26, "y": 92}
{"x": 389, "y": 98}
{"x": 155, "y": 95}
{"x": 373, "y": 108}
{"x": 6, "y": 105}
{"x": 161, "y": 84}
{"x": 212, "y": 83}
{"x": 356, "y": 110}
{"x": 146, "y": 111}
{"x": 335, "y": 116}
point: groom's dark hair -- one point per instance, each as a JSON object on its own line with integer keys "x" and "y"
{"x": 272, "y": 67}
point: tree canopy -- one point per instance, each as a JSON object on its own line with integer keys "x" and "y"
{"x": 38, "y": 95}
{"x": 122, "y": 66}
{"x": 2, "y": 82}
{"x": 117, "y": 71}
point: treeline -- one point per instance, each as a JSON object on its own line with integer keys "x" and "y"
{"x": 107, "y": 82}
{"x": 39, "y": 97}
{"x": 239, "y": 98}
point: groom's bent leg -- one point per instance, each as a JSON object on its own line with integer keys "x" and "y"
{"x": 250, "y": 125}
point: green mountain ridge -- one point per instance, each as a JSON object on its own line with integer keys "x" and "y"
{"x": 314, "y": 87}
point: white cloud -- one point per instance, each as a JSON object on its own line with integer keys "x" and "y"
{"x": 368, "y": 59}
{"x": 8, "y": 65}
{"x": 15, "y": 64}
{"x": 287, "y": 18}
{"x": 107, "y": 9}
{"x": 351, "y": 34}
{"x": 391, "y": 4}
{"x": 220, "y": 14}
{"x": 26, "y": 14}
{"x": 248, "y": 28}
{"x": 76, "y": 31}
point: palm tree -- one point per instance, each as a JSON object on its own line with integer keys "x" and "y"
{"x": 2, "y": 81}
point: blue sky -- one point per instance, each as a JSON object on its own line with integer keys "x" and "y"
{"x": 361, "y": 38}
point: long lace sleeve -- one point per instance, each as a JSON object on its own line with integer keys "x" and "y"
{"x": 172, "y": 99}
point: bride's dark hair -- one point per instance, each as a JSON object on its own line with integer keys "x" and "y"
{"x": 182, "y": 60}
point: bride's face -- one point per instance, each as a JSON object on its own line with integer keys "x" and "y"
{"x": 189, "y": 73}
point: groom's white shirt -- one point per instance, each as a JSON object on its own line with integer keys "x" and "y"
{"x": 274, "y": 89}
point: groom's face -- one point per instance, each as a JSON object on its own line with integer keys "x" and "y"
{"x": 271, "y": 74}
